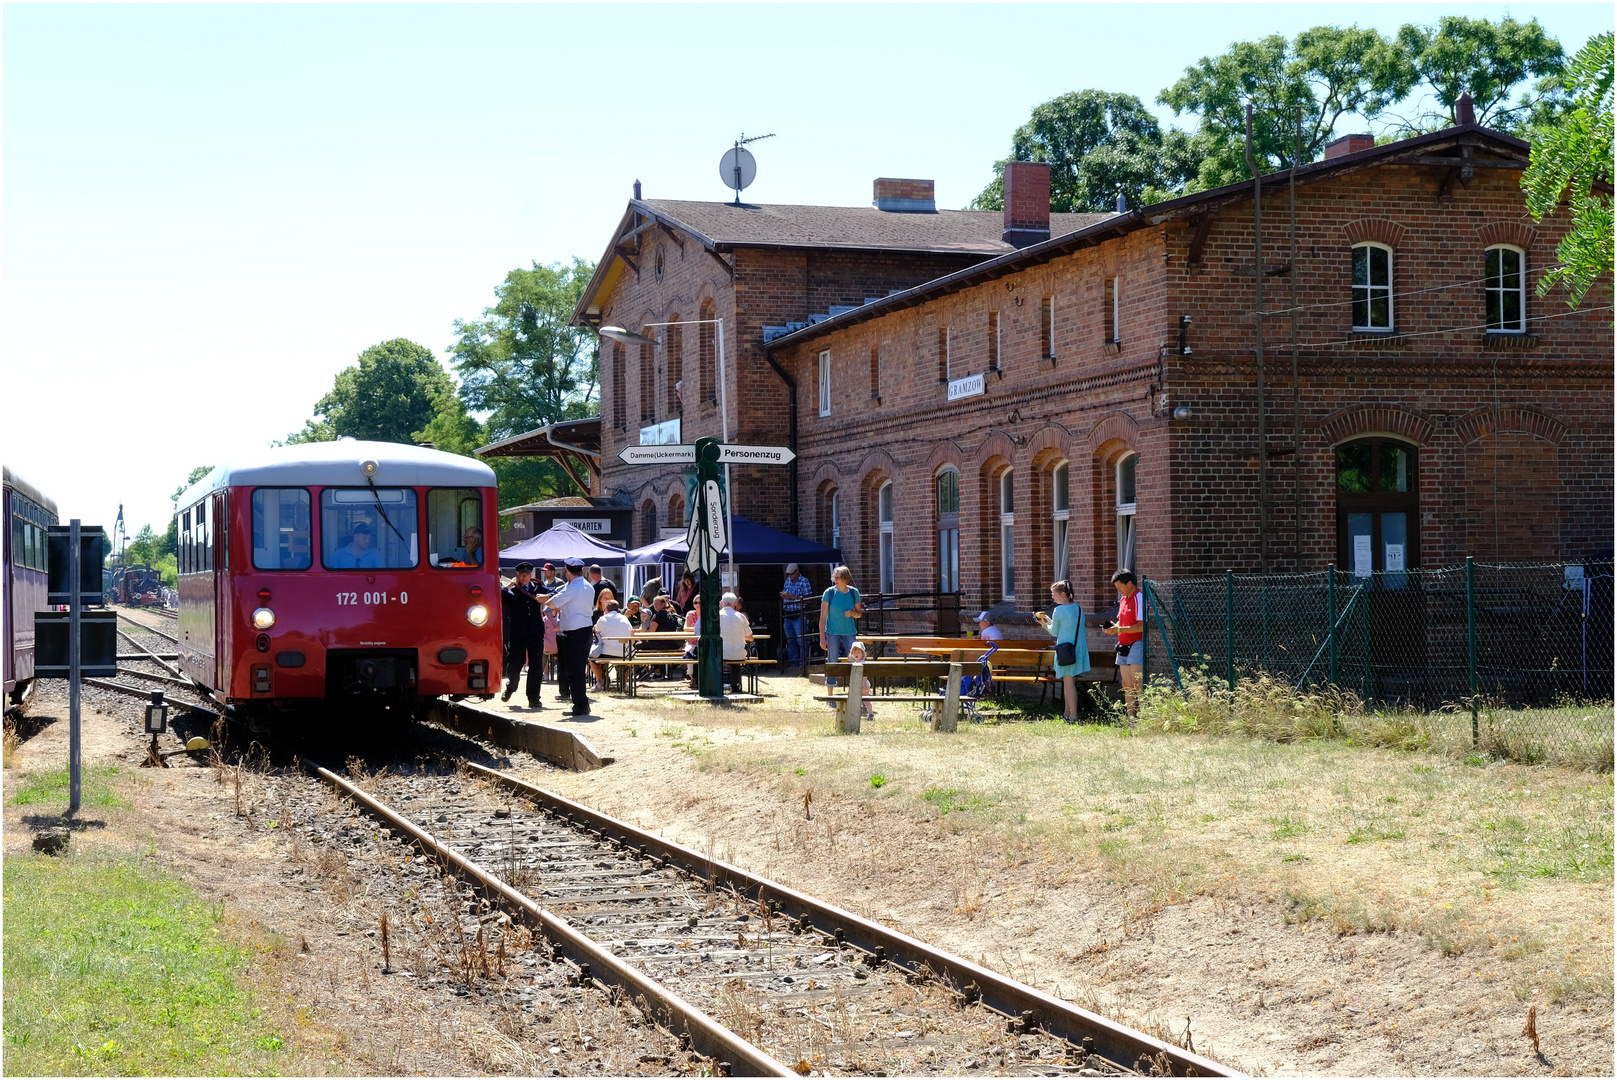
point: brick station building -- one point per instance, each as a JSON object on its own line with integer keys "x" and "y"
{"x": 985, "y": 405}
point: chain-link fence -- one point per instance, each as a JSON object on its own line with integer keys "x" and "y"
{"x": 1516, "y": 635}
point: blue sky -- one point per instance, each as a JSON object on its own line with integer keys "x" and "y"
{"x": 211, "y": 210}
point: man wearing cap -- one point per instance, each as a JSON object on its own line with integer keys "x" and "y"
{"x": 357, "y": 554}
{"x": 522, "y": 615}
{"x": 791, "y": 615}
{"x": 547, "y": 578}
{"x": 986, "y": 628}
{"x": 574, "y": 603}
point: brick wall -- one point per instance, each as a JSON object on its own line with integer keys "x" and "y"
{"x": 1512, "y": 436}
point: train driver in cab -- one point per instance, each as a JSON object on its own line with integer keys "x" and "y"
{"x": 470, "y": 553}
{"x": 357, "y": 554}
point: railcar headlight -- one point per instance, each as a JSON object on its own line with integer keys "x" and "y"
{"x": 477, "y": 614}
{"x": 263, "y": 618}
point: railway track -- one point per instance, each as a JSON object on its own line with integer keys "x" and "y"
{"x": 757, "y": 976}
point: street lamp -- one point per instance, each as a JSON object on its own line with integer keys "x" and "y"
{"x": 629, "y": 337}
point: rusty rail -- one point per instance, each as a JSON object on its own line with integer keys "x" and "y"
{"x": 1116, "y": 1042}
{"x": 710, "y": 1037}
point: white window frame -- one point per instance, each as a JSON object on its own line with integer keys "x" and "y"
{"x": 884, "y": 526}
{"x": 1371, "y": 290}
{"x": 836, "y": 521}
{"x": 1007, "y": 534}
{"x": 825, "y": 382}
{"x": 1061, "y": 512}
{"x": 1520, "y": 290}
{"x": 1127, "y": 513}
{"x": 1117, "y": 309}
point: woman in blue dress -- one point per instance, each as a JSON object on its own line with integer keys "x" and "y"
{"x": 1066, "y": 624}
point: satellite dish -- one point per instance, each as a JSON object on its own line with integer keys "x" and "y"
{"x": 738, "y": 168}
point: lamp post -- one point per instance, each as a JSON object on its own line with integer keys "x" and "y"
{"x": 711, "y": 674}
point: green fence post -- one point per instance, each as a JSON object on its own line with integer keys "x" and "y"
{"x": 1471, "y": 640}
{"x": 1263, "y": 602}
{"x": 1229, "y": 626}
{"x": 1369, "y": 684}
{"x": 1330, "y": 632}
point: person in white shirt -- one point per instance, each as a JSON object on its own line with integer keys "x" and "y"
{"x": 612, "y": 631}
{"x": 986, "y": 628}
{"x": 735, "y": 632}
{"x": 574, "y": 603}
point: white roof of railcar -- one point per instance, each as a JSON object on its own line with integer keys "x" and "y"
{"x": 23, "y": 487}
{"x": 328, "y": 464}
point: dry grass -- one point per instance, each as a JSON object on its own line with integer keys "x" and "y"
{"x": 1377, "y": 826}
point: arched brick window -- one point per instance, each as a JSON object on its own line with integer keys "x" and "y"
{"x": 674, "y": 363}
{"x": 620, "y": 404}
{"x": 648, "y": 386}
{"x": 1504, "y": 290}
{"x": 676, "y": 511}
{"x": 706, "y": 357}
{"x": 947, "y": 486}
{"x": 887, "y": 562}
{"x": 1377, "y": 509}
{"x": 1372, "y": 287}
{"x": 1060, "y": 516}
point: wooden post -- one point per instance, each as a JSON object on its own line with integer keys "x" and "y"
{"x": 853, "y": 704}
{"x": 949, "y": 719}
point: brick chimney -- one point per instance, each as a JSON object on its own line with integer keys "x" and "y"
{"x": 1349, "y": 144}
{"x": 904, "y": 196}
{"x": 1027, "y": 202}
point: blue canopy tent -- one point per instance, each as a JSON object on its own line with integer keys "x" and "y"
{"x": 754, "y": 545}
{"x": 559, "y": 543}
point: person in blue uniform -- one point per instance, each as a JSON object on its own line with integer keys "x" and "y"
{"x": 574, "y": 603}
{"x": 522, "y": 614}
{"x": 357, "y": 554}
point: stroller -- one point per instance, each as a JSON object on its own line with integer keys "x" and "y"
{"x": 974, "y": 689}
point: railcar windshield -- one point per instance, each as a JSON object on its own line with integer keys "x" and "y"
{"x": 368, "y": 529}
{"x": 454, "y": 527}
{"x": 281, "y": 529}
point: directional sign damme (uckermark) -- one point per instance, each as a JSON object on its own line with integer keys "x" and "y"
{"x": 673, "y": 454}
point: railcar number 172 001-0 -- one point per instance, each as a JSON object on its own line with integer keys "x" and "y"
{"x": 349, "y": 599}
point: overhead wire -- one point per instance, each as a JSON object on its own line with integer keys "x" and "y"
{"x": 1395, "y": 295}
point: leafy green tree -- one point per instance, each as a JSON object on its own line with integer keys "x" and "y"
{"x": 1097, "y": 144}
{"x": 142, "y": 548}
{"x": 1572, "y": 161}
{"x": 1485, "y": 59}
{"x": 1324, "y": 74}
{"x": 388, "y": 396}
{"x": 523, "y": 366}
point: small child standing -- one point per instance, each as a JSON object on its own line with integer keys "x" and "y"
{"x": 856, "y": 655}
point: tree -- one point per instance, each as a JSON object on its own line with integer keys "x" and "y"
{"x": 1572, "y": 160}
{"x": 142, "y": 549}
{"x": 390, "y": 395}
{"x": 1323, "y": 75}
{"x": 524, "y": 366}
{"x": 1097, "y": 144}
{"x": 1487, "y": 60}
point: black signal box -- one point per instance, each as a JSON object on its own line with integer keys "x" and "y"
{"x": 98, "y": 644}
{"x": 91, "y": 553}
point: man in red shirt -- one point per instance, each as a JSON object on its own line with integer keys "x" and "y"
{"x": 1129, "y": 630}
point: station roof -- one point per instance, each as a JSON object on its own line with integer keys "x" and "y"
{"x": 580, "y": 438}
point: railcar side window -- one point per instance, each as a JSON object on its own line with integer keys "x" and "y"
{"x": 454, "y": 527}
{"x": 368, "y": 528}
{"x": 281, "y": 529}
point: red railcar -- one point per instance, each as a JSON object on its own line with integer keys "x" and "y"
{"x": 343, "y": 572}
{"x": 24, "y": 560}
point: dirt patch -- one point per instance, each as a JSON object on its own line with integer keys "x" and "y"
{"x": 1264, "y": 981}
{"x": 304, "y": 883}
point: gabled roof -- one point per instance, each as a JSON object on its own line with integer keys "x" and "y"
{"x": 1453, "y": 149}
{"x": 721, "y": 227}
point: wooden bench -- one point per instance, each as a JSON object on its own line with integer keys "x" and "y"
{"x": 850, "y": 703}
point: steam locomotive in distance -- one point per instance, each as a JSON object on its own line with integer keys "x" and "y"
{"x": 345, "y": 572}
